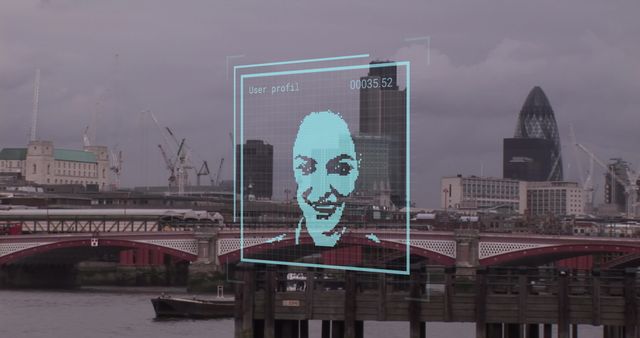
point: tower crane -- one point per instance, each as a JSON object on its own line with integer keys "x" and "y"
{"x": 183, "y": 164}
{"x": 630, "y": 185}
{"x": 179, "y": 165}
{"x": 204, "y": 171}
{"x": 219, "y": 171}
{"x": 115, "y": 165}
{"x": 85, "y": 137}
{"x": 181, "y": 172}
{"x": 587, "y": 183}
{"x": 170, "y": 166}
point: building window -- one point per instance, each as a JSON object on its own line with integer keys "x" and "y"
{"x": 35, "y": 168}
{"x": 48, "y": 170}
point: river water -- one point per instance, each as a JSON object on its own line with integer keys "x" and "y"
{"x": 127, "y": 313}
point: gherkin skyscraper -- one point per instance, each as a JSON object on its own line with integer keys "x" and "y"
{"x": 537, "y": 121}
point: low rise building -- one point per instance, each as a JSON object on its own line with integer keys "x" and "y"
{"x": 473, "y": 194}
{"x": 469, "y": 195}
{"x": 555, "y": 199}
{"x": 41, "y": 163}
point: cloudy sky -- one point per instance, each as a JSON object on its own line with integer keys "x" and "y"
{"x": 468, "y": 88}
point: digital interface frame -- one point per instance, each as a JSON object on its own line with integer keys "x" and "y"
{"x": 315, "y": 121}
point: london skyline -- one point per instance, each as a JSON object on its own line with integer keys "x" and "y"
{"x": 173, "y": 60}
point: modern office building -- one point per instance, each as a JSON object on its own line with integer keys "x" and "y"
{"x": 555, "y": 199}
{"x": 534, "y": 160}
{"x": 258, "y": 169}
{"x": 527, "y": 159}
{"x": 471, "y": 194}
{"x": 614, "y": 190}
{"x": 373, "y": 178}
{"x": 41, "y": 163}
{"x": 383, "y": 114}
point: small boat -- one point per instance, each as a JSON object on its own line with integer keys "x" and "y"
{"x": 167, "y": 306}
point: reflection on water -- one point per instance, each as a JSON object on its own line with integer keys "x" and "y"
{"x": 127, "y": 313}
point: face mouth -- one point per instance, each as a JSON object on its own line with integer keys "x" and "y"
{"x": 324, "y": 210}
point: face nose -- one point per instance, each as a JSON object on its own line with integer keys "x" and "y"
{"x": 320, "y": 188}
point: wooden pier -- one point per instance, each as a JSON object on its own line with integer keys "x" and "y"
{"x": 504, "y": 303}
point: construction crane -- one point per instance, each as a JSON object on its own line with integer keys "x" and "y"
{"x": 178, "y": 166}
{"x": 36, "y": 106}
{"x": 217, "y": 181}
{"x": 181, "y": 169}
{"x": 219, "y": 173}
{"x": 183, "y": 165}
{"x": 115, "y": 165}
{"x": 204, "y": 171}
{"x": 634, "y": 187}
{"x": 85, "y": 137}
{"x": 587, "y": 182}
{"x": 169, "y": 163}
{"x": 630, "y": 185}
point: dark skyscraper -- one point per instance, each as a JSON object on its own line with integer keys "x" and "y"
{"x": 527, "y": 159}
{"x": 534, "y": 152}
{"x": 383, "y": 113}
{"x": 258, "y": 169}
{"x": 614, "y": 191}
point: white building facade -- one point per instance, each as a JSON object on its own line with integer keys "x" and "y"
{"x": 555, "y": 199}
{"x": 41, "y": 163}
{"x": 471, "y": 194}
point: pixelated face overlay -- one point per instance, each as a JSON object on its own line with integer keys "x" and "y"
{"x": 326, "y": 170}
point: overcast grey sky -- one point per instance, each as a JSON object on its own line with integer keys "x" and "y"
{"x": 485, "y": 57}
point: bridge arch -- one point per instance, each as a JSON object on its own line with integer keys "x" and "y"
{"x": 549, "y": 253}
{"x": 25, "y": 250}
{"x": 437, "y": 258}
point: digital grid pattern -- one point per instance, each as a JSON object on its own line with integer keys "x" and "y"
{"x": 272, "y": 106}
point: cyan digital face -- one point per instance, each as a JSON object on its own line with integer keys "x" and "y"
{"x": 326, "y": 169}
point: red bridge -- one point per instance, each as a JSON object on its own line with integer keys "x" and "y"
{"x": 463, "y": 248}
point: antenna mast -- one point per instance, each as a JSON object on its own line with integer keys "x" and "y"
{"x": 36, "y": 94}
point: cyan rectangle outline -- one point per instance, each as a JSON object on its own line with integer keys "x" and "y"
{"x": 268, "y": 64}
{"x": 408, "y": 162}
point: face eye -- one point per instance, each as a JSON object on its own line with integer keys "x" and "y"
{"x": 340, "y": 165}
{"x": 306, "y": 165}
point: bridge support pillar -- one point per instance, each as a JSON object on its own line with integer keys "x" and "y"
{"x": 533, "y": 331}
{"x": 304, "y": 329}
{"x": 609, "y": 331}
{"x": 269, "y": 303}
{"x": 288, "y": 328}
{"x": 513, "y": 330}
{"x": 481, "y": 304}
{"x": 337, "y": 329}
{"x": 207, "y": 249}
{"x": 630, "y": 303}
{"x": 350, "y": 305}
{"x": 417, "y": 327}
{"x": 494, "y": 330}
{"x": 204, "y": 277}
{"x": 466, "y": 251}
{"x": 326, "y": 329}
{"x": 205, "y": 274}
{"x": 244, "y": 325}
{"x": 563, "y": 304}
